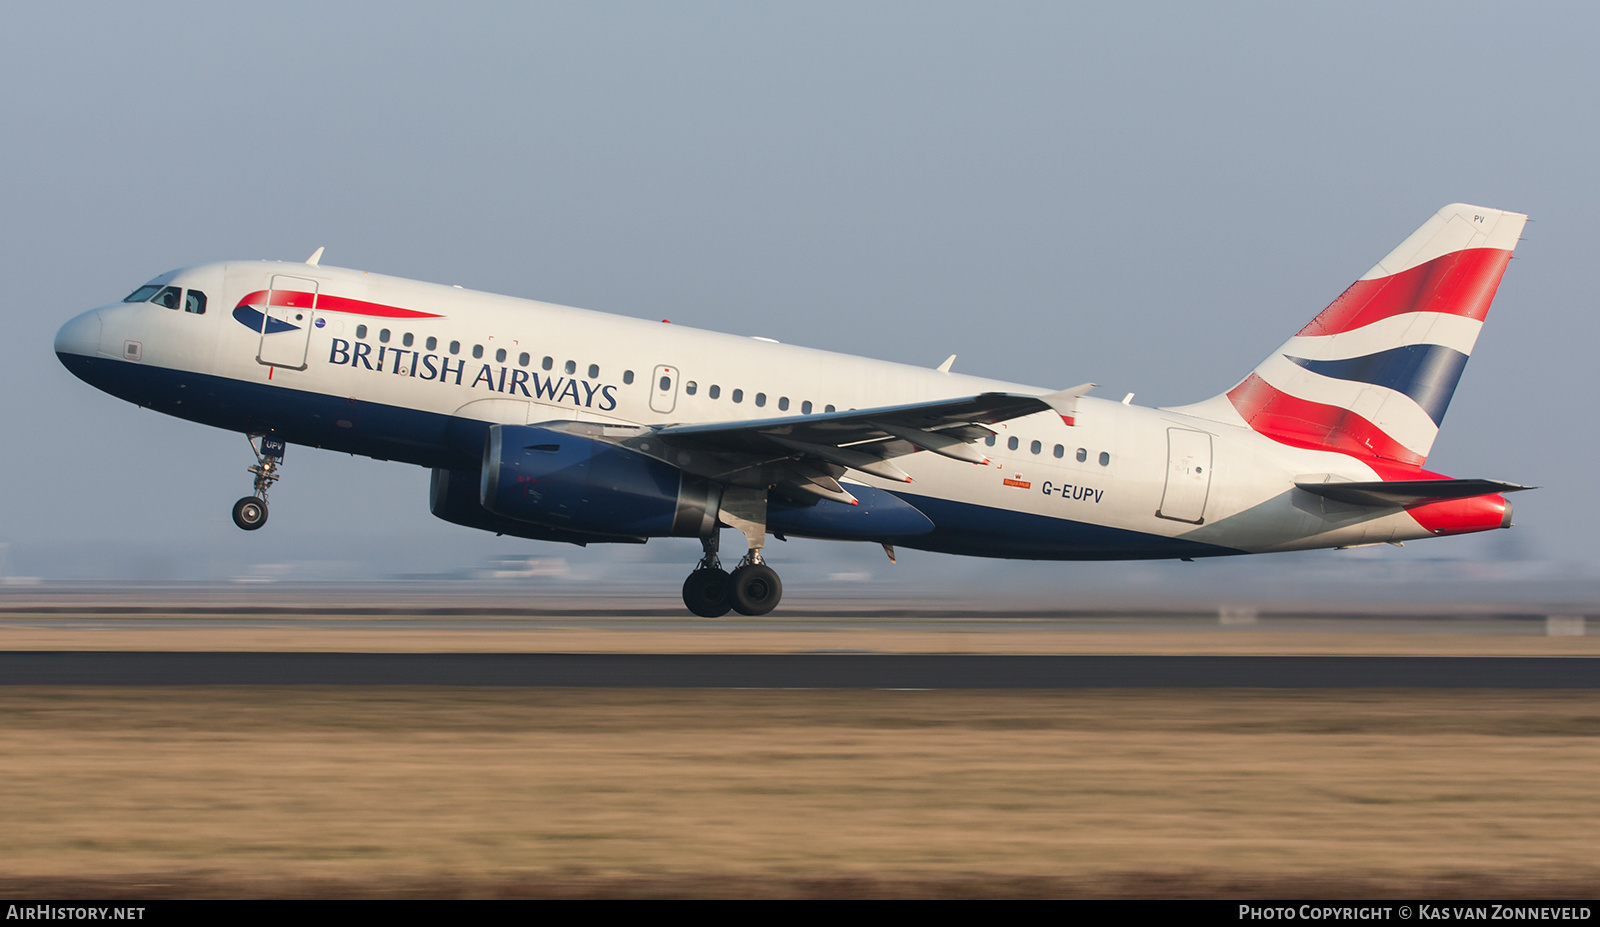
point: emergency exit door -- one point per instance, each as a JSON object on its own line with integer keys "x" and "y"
{"x": 664, "y": 389}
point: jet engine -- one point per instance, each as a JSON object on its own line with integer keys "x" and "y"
{"x": 573, "y": 482}
{"x": 453, "y": 496}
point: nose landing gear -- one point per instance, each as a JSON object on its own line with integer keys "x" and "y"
{"x": 250, "y": 512}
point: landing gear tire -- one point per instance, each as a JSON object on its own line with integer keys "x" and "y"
{"x": 250, "y": 513}
{"x": 756, "y": 589}
{"x": 708, "y": 593}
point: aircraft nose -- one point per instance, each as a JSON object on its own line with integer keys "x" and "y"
{"x": 81, "y": 334}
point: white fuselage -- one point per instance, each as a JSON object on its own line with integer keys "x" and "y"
{"x": 1153, "y": 473}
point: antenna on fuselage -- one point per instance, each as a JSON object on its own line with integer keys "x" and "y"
{"x": 945, "y": 367}
{"x": 315, "y": 257}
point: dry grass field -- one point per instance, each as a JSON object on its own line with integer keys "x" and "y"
{"x": 560, "y": 793}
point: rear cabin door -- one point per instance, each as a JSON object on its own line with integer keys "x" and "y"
{"x": 664, "y": 389}
{"x": 1188, "y": 476}
{"x": 286, "y": 322}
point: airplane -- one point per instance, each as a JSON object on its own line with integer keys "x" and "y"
{"x": 559, "y": 424}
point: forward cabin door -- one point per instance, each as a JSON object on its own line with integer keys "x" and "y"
{"x": 664, "y": 389}
{"x": 1188, "y": 476}
{"x": 286, "y": 322}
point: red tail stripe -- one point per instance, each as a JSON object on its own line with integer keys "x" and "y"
{"x": 1460, "y": 283}
{"x": 296, "y": 299}
{"x": 1302, "y": 423}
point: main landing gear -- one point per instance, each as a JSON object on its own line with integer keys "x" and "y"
{"x": 753, "y": 588}
{"x": 250, "y": 512}
{"x": 711, "y": 592}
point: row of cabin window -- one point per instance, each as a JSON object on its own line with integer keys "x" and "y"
{"x": 715, "y": 392}
{"x": 523, "y": 359}
{"x": 691, "y": 387}
{"x": 1082, "y": 455}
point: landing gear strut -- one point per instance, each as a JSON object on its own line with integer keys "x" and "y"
{"x": 753, "y": 588}
{"x": 250, "y": 512}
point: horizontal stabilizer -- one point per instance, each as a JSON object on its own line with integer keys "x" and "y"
{"x": 1401, "y": 493}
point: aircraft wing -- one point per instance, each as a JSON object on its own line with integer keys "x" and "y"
{"x": 809, "y": 452}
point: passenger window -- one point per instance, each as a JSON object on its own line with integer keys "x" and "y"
{"x": 627, "y": 377}
{"x": 1060, "y": 451}
{"x": 761, "y": 399}
{"x": 666, "y": 384}
{"x": 477, "y": 350}
{"x": 805, "y": 407}
{"x": 523, "y": 359}
{"x": 738, "y": 395}
{"x": 689, "y": 388}
{"x": 548, "y": 363}
{"x": 1036, "y": 447}
{"x": 408, "y": 339}
{"x": 1105, "y": 460}
{"x": 1011, "y": 444}
{"x": 383, "y": 336}
{"x": 783, "y": 404}
{"x": 433, "y": 343}
{"x": 715, "y": 391}
{"x": 168, "y": 297}
{"x": 194, "y": 301}
{"x": 142, "y": 294}
{"x": 989, "y": 440}
{"x": 572, "y": 367}
{"x": 828, "y": 409}
{"x": 594, "y": 371}
{"x": 361, "y": 331}
{"x": 500, "y": 356}
{"x": 1082, "y": 455}
{"x": 455, "y": 347}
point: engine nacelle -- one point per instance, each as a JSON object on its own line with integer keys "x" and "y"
{"x": 577, "y": 483}
{"x": 453, "y": 496}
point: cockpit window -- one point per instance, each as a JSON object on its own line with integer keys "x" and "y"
{"x": 168, "y": 297}
{"x": 142, "y": 293}
{"x": 194, "y": 301}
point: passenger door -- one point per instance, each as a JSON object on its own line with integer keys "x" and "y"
{"x": 286, "y": 322}
{"x": 1188, "y": 476}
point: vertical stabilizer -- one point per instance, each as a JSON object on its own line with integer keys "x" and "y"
{"x": 1373, "y": 373}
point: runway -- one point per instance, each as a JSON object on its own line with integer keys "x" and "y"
{"x": 791, "y": 671}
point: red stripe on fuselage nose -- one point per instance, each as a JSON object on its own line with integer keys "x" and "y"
{"x": 1459, "y": 283}
{"x": 297, "y": 299}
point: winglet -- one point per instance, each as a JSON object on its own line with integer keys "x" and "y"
{"x": 1065, "y": 402}
{"x": 315, "y": 257}
{"x": 945, "y": 367}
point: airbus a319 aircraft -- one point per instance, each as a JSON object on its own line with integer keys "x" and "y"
{"x": 559, "y": 424}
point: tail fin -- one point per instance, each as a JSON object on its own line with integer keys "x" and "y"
{"x": 1372, "y": 374}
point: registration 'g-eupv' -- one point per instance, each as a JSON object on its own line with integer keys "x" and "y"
{"x": 558, "y": 424}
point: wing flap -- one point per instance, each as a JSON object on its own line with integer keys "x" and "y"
{"x": 786, "y": 451}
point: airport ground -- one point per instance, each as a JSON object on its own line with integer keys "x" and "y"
{"x": 451, "y": 792}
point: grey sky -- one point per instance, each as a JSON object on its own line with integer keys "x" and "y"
{"x": 1152, "y": 197}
